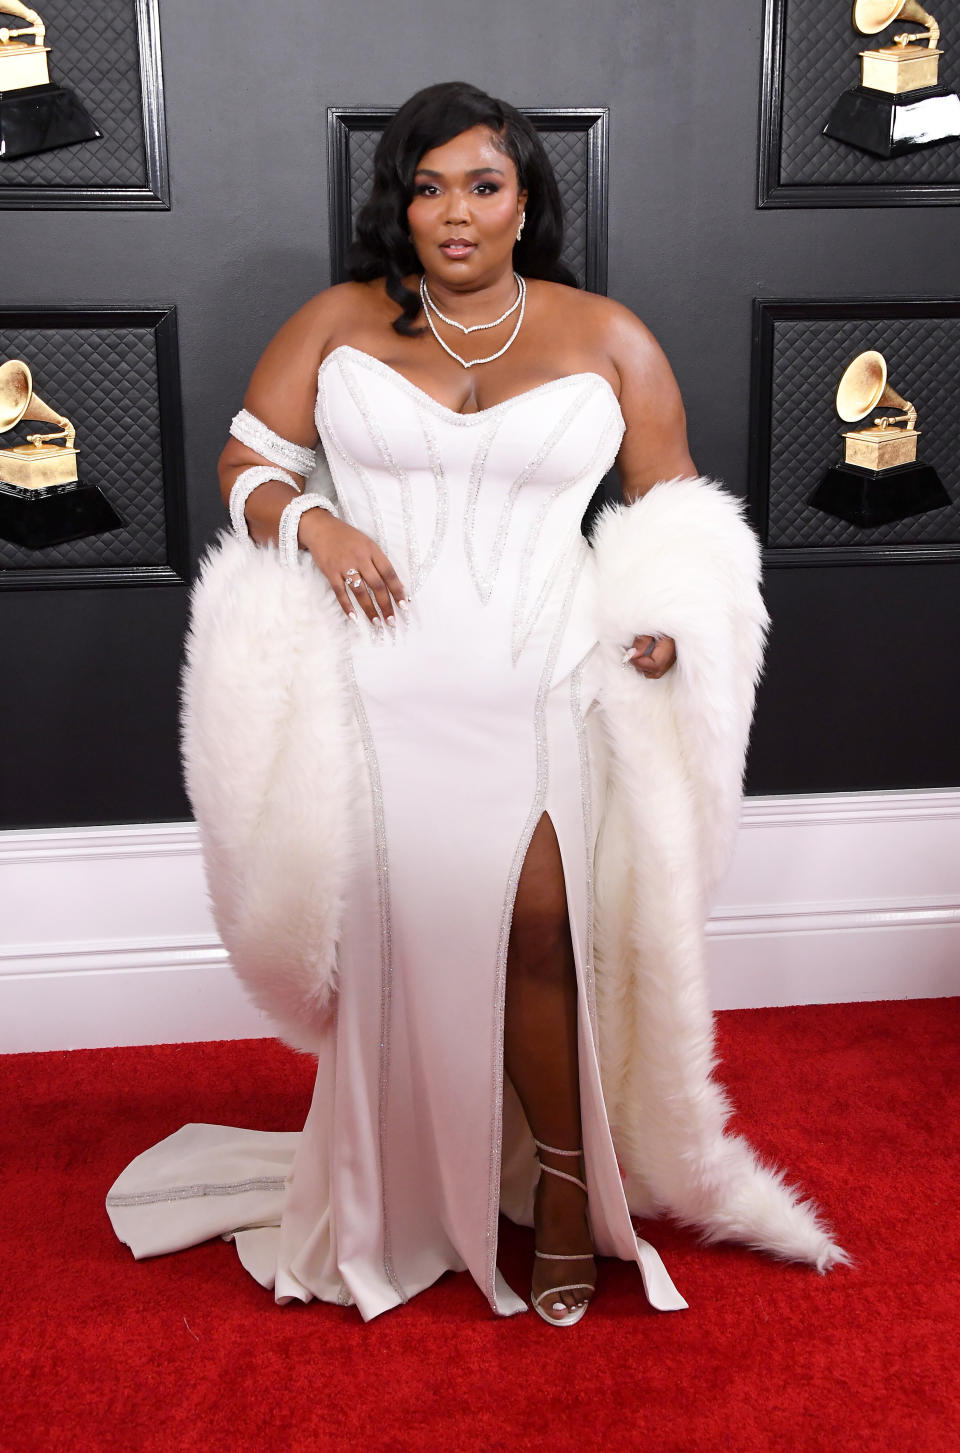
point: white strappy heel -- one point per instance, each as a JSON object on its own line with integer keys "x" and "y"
{"x": 573, "y": 1314}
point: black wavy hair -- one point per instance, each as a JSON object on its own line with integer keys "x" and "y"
{"x": 382, "y": 247}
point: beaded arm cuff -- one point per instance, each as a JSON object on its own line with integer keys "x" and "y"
{"x": 289, "y": 530}
{"x": 257, "y": 435}
{"x": 243, "y": 486}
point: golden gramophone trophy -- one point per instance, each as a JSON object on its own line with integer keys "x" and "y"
{"x": 879, "y": 480}
{"x": 35, "y": 113}
{"x": 899, "y": 104}
{"x": 42, "y": 502}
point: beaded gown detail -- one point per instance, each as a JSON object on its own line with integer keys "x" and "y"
{"x": 474, "y": 719}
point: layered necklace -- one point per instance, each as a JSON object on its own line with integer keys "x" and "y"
{"x": 430, "y": 307}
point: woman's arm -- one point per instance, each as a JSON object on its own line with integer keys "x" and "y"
{"x": 654, "y": 446}
{"x": 282, "y": 394}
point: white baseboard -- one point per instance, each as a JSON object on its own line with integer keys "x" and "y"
{"x": 106, "y": 936}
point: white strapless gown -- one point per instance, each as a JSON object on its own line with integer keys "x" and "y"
{"x": 475, "y": 719}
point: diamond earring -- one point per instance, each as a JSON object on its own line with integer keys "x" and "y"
{"x": 522, "y": 220}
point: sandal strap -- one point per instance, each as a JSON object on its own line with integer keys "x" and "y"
{"x": 551, "y": 1170}
{"x": 566, "y": 1256}
{"x": 553, "y": 1149}
{"x": 573, "y": 1286}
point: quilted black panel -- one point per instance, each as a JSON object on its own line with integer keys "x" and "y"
{"x": 568, "y": 153}
{"x": 806, "y": 434}
{"x": 94, "y": 52}
{"x": 821, "y": 60}
{"x": 105, "y": 381}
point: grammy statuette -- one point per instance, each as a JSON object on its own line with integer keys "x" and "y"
{"x": 879, "y": 480}
{"x": 899, "y": 104}
{"x": 42, "y": 502}
{"x": 36, "y": 114}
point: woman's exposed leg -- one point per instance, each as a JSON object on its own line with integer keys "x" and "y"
{"x": 540, "y": 1056}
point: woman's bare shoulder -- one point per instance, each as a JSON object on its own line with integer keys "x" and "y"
{"x": 614, "y": 330}
{"x": 633, "y": 349}
{"x": 603, "y": 310}
{"x": 283, "y": 386}
{"x": 320, "y": 316}
{"x": 299, "y": 345}
{"x": 624, "y": 334}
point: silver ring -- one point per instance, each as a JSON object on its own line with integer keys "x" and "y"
{"x": 353, "y": 578}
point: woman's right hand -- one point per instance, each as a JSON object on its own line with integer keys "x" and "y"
{"x": 337, "y": 548}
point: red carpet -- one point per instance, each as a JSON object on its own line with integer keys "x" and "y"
{"x": 186, "y": 1352}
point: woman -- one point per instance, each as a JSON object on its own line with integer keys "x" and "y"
{"x": 451, "y": 744}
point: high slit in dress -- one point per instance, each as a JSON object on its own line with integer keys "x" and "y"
{"x": 474, "y": 719}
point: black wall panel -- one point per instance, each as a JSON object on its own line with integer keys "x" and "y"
{"x": 860, "y": 690}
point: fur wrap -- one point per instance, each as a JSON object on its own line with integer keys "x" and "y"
{"x": 272, "y": 761}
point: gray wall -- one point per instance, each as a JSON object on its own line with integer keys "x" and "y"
{"x": 854, "y": 694}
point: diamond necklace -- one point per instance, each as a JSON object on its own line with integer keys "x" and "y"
{"x": 474, "y": 327}
{"x": 428, "y": 303}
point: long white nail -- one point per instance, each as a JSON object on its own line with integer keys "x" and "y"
{"x": 629, "y": 656}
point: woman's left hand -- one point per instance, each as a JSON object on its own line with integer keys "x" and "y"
{"x": 652, "y": 656}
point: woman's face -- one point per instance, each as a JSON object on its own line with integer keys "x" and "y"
{"x": 466, "y": 209}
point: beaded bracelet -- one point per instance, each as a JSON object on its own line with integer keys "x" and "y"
{"x": 260, "y": 437}
{"x": 243, "y": 486}
{"x": 289, "y": 530}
